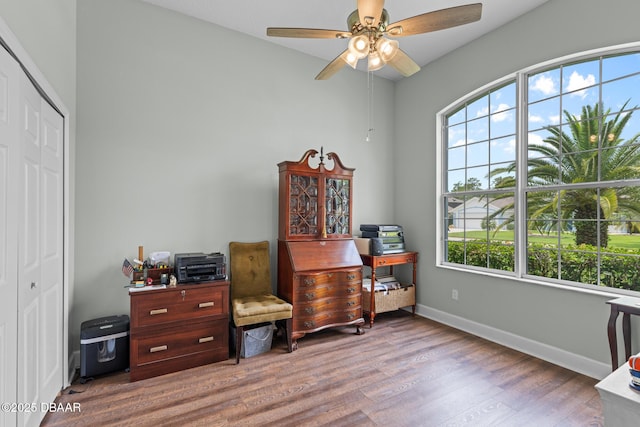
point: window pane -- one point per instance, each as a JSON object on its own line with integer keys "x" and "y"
{"x": 478, "y": 130}
{"x": 542, "y": 260}
{"x": 579, "y": 266}
{"x": 573, "y": 102}
{"x": 619, "y": 92}
{"x": 503, "y": 149}
{"x": 457, "y": 116}
{"x": 544, "y": 113}
{"x": 544, "y": 85}
{"x": 478, "y": 178}
{"x": 504, "y": 95}
{"x": 456, "y": 180}
{"x": 478, "y": 108}
{"x": 457, "y": 135}
{"x": 503, "y": 123}
{"x": 502, "y": 175}
{"x": 456, "y": 157}
{"x": 620, "y": 65}
{"x": 576, "y": 77}
{"x": 478, "y": 154}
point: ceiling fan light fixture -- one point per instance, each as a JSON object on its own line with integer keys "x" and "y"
{"x": 375, "y": 61}
{"x": 351, "y": 59}
{"x": 387, "y": 48}
{"x": 359, "y": 46}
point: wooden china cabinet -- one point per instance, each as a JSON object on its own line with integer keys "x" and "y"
{"x": 319, "y": 267}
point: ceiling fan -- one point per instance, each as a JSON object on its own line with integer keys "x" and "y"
{"x": 369, "y": 24}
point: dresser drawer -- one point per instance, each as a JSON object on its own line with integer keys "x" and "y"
{"x": 327, "y": 304}
{"x": 181, "y": 303}
{"x": 312, "y": 280}
{"x": 187, "y": 340}
{"x": 328, "y": 291}
{"x": 302, "y": 322}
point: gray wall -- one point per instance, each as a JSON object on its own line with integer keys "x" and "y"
{"x": 181, "y": 125}
{"x": 571, "y": 321}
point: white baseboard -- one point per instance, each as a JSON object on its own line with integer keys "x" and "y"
{"x": 575, "y": 362}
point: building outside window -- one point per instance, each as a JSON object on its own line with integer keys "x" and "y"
{"x": 540, "y": 174}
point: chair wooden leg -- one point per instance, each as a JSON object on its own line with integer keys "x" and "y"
{"x": 239, "y": 336}
{"x": 288, "y": 328}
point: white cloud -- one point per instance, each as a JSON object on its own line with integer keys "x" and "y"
{"x": 578, "y": 82}
{"x": 500, "y": 113}
{"x": 535, "y": 119}
{"x": 545, "y": 85}
{"x": 482, "y": 112}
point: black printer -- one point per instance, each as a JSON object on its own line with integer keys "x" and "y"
{"x": 199, "y": 267}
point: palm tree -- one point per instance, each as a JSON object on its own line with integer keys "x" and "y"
{"x": 573, "y": 158}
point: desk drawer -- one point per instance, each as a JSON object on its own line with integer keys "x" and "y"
{"x": 340, "y": 290}
{"x": 311, "y": 280}
{"x": 188, "y": 340}
{"x": 394, "y": 259}
{"x": 309, "y": 323}
{"x": 177, "y": 304}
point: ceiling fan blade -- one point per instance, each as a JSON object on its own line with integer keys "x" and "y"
{"x": 403, "y": 63}
{"x": 437, "y": 20}
{"x": 333, "y": 66}
{"x": 370, "y": 12}
{"x": 309, "y": 33}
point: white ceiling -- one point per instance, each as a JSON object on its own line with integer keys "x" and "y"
{"x": 254, "y": 16}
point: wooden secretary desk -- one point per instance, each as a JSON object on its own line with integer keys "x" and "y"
{"x": 319, "y": 267}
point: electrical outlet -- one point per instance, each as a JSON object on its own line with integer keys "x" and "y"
{"x": 454, "y": 294}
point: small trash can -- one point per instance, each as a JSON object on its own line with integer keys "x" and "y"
{"x": 104, "y": 345}
{"x": 256, "y": 339}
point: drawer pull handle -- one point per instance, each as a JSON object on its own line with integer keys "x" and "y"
{"x": 205, "y": 339}
{"x": 309, "y": 310}
{"x": 157, "y": 349}
{"x": 350, "y": 316}
{"x": 309, "y": 281}
{"x": 158, "y": 311}
{"x": 310, "y": 295}
{"x": 351, "y": 276}
{"x": 350, "y": 303}
{"x": 205, "y": 304}
{"x": 351, "y": 290}
{"x": 309, "y": 324}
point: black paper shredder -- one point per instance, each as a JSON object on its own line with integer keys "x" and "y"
{"x": 104, "y": 345}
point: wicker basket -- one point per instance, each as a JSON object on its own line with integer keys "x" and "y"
{"x": 389, "y": 300}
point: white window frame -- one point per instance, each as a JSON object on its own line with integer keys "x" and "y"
{"x": 520, "y": 230}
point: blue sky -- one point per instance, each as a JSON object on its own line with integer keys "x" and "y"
{"x": 487, "y": 140}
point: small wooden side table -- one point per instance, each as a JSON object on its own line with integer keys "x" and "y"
{"x": 375, "y": 261}
{"x": 628, "y": 306}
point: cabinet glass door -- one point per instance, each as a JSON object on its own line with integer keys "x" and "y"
{"x": 337, "y": 196}
{"x": 303, "y": 205}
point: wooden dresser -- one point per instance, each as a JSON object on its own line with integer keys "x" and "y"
{"x": 319, "y": 268}
{"x": 178, "y": 328}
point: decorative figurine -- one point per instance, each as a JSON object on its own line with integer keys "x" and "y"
{"x": 173, "y": 281}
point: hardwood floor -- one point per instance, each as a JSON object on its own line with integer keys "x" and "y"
{"x": 405, "y": 371}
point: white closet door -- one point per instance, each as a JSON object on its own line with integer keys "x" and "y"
{"x": 51, "y": 253}
{"x": 9, "y": 159}
{"x": 40, "y": 254}
{"x": 29, "y": 284}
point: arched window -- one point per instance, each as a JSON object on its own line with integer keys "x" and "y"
{"x": 541, "y": 174}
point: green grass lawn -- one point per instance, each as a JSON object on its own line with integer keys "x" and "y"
{"x": 626, "y": 241}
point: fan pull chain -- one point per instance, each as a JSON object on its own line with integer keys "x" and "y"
{"x": 370, "y": 109}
